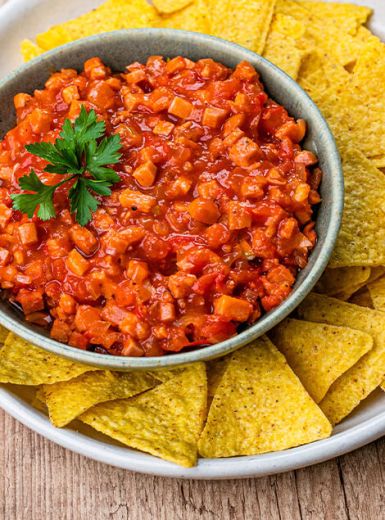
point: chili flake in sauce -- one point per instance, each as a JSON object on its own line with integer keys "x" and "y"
{"x": 207, "y": 229}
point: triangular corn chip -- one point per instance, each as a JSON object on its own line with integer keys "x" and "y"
{"x": 319, "y": 353}
{"x": 368, "y": 373}
{"x": 165, "y": 421}
{"x": 22, "y": 363}
{"x": 260, "y": 406}
{"x": 69, "y": 399}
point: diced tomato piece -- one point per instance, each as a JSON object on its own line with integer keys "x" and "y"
{"x": 204, "y": 211}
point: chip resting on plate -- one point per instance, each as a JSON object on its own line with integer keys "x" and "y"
{"x": 367, "y": 374}
{"x": 245, "y": 22}
{"x": 377, "y": 293}
{"x": 260, "y": 406}
{"x": 319, "y": 353}
{"x": 110, "y": 16}
{"x": 3, "y": 334}
{"x": 215, "y": 370}
{"x": 22, "y": 363}
{"x": 195, "y": 17}
{"x": 282, "y": 44}
{"x": 165, "y": 421}
{"x": 170, "y": 6}
{"x": 361, "y": 241}
{"x": 342, "y": 280}
{"x": 69, "y": 399}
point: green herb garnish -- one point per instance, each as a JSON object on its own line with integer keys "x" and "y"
{"x": 81, "y": 154}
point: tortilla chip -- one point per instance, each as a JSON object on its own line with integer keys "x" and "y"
{"x": 334, "y": 281}
{"x": 319, "y": 353}
{"x": 170, "y": 6}
{"x": 281, "y": 44}
{"x": 165, "y": 421}
{"x": 110, "y": 16}
{"x": 194, "y": 17}
{"x": 362, "y": 298}
{"x": 260, "y": 406}
{"x": 377, "y": 293}
{"x": 30, "y": 50}
{"x": 348, "y": 17}
{"x": 245, "y": 22}
{"x": 369, "y": 372}
{"x": 22, "y": 363}
{"x": 361, "y": 241}
{"x": 215, "y": 370}
{"x": 3, "y": 334}
{"x": 69, "y": 399}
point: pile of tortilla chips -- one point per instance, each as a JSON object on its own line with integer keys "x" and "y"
{"x": 316, "y": 367}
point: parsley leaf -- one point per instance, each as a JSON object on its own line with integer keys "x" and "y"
{"x": 81, "y": 153}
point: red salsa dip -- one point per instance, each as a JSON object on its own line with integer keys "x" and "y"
{"x": 207, "y": 230}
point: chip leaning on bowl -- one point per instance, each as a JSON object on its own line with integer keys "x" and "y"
{"x": 337, "y": 357}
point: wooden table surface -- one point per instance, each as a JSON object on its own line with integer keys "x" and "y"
{"x": 42, "y": 481}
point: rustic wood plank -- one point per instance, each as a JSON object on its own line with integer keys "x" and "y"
{"x": 39, "y": 480}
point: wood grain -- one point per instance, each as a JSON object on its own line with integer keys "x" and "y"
{"x": 42, "y": 481}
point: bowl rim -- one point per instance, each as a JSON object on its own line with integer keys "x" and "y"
{"x": 273, "y": 317}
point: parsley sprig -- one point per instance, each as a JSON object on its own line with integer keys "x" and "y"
{"x": 81, "y": 154}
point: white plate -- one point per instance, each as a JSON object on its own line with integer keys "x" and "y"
{"x": 25, "y": 18}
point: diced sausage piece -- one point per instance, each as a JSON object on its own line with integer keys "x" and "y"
{"x": 31, "y": 301}
{"x": 85, "y": 317}
{"x": 83, "y": 239}
{"x": 58, "y": 247}
{"x": 293, "y": 130}
{"x": 239, "y": 216}
{"x": 61, "y": 331}
{"x": 137, "y": 271}
{"x": 135, "y": 200}
{"x": 209, "y": 190}
{"x": 67, "y": 303}
{"x": 70, "y": 93}
{"x": 179, "y": 187}
{"x": 101, "y": 95}
{"x": 163, "y": 128}
{"x": 135, "y": 76}
{"x": 77, "y": 263}
{"x": 4, "y": 256}
{"x": 301, "y": 192}
{"x": 233, "y": 137}
{"x": 305, "y": 157}
{"x": 166, "y": 312}
{"x": 233, "y": 123}
{"x": 232, "y": 308}
{"x": 118, "y": 242}
{"x": 28, "y": 234}
{"x": 204, "y": 211}
{"x": 95, "y": 69}
{"x": 251, "y": 188}
{"x": 213, "y": 117}
{"x": 180, "y": 107}
{"x": 40, "y": 121}
{"x": 180, "y": 284}
{"x": 145, "y": 174}
{"x": 175, "y": 64}
{"x": 129, "y": 324}
{"x": 217, "y": 235}
{"x": 131, "y": 348}
{"x": 21, "y": 100}
{"x": 244, "y": 151}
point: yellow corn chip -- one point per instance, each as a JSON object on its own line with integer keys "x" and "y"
{"x": 348, "y": 17}
{"x": 194, "y": 17}
{"x": 68, "y": 399}
{"x": 260, "y": 406}
{"x": 343, "y": 279}
{"x": 319, "y": 353}
{"x": 170, "y": 6}
{"x": 30, "y": 50}
{"x": 245, "y": 22}
{"x": 110, "y": 16}
{"x": 377, "y": 293}
{"x": 361, "y": 241}
{"x": 165, "y": 421}
{"x": 368, "y": 373}
{"x": 281, "y": 45}
{"x": 375, "y": 273}
{"x": 215, "y": 370}
{"x": 362, "y": 298}
{"x": 3, "y": 334}
{"x": 22, "y": 363}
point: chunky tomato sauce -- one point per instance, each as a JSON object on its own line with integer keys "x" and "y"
{"x": 207, "y": 229}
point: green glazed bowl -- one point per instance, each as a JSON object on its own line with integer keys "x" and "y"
{"x": 118, "y": 49}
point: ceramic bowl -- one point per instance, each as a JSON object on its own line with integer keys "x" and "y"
{"x": 117, "y": 49}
